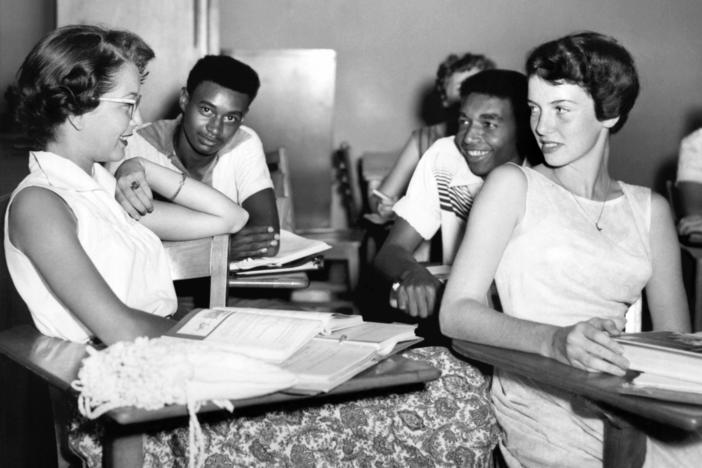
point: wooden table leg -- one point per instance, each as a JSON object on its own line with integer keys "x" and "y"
{"x": 122, "y": 449}
{"x": 624, "y": 444}
{"x": 697, "y": 313}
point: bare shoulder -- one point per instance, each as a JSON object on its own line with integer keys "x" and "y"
{"x": 660, "y": 208}
{"x": 34, "y": 208}
{"x": 507, "y": 176}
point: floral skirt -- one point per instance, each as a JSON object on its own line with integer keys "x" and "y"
{"x": 448, "y": 423}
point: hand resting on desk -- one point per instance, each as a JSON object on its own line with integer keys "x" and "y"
{"x": 589, "y": 346}
{"x": 254, "y": 242}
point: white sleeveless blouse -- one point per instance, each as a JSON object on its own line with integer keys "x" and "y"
{"x": 129, "y": 257}
{"x": 559, "y": 269}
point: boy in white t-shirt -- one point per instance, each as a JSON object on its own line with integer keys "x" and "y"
{"x": 493, "y": 129}
{"x": 209, "y": 143}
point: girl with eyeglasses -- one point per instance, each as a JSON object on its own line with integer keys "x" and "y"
{"x": 88, "y": 271}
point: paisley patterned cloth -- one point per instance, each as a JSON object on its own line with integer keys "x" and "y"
{"x": 449, "y": 423}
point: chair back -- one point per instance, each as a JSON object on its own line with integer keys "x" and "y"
{"x": 201, "y": 258}
{"x": 348, "y": 183}
{"x": 277, "y": 162}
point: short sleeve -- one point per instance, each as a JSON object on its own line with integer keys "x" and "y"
{"x": 420, "y": 205}
{"x": 690, "y": 158}
{"x": 243, "y": 171}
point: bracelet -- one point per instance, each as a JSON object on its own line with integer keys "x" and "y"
{"x": 180, "y": 186}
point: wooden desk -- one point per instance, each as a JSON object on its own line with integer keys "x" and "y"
{"x": 600, "y": 388}
{"x": 57, "y": 362}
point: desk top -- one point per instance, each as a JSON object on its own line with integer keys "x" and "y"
{"x": 595, "y": 386}
{"x": 57, "y": 362}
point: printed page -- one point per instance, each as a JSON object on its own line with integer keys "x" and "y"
{"x": 382, "y": 336}
{"x": 323, "y": 364}
{"x": 270, "y": 335}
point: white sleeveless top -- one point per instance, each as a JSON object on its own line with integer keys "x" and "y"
{"x": 559, "y": 269}
{"x": 129, "y": 257}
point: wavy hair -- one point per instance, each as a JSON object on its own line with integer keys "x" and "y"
{"x": 66, "y": 73}
{"x": 458, "y": 63}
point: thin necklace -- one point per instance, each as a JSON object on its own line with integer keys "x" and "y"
{"x": 582, "y": 210}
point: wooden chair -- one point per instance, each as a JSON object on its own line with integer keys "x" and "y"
{"x": 201, "y": 258}
{"x": 346, "y": 242}
{"x": 277, "y": 162}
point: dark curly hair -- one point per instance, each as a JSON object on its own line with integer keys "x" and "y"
{"x": 596, "y": 63}
{"x": 225, "y": 71}
{"x": 66, "y": 73}
{"x": 510, "y": 85}
{"x": 455, "y": 63}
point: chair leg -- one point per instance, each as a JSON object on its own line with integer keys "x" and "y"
{"x": 62, "y": 416}
{"x": 122, "y": 450}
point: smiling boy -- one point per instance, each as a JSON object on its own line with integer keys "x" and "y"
{"x": 493, "y": 129}
{"x": 209, "y": 143}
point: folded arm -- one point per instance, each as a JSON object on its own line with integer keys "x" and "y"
{"x": 197, "y": 210}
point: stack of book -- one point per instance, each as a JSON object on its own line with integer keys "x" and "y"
{"x": 669, "y": 364}
{"x": 296, "y": 253}
{"x": 322, "y": 349}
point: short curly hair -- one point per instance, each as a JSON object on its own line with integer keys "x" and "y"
{"x": 595, "y": 62}
{"x": 66, "y": 73}
{"x": 225, "y": 71}
{"x": 458, "y": 63}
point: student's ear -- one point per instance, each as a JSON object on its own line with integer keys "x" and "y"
{"x": 609, "y": 123}
{"x": 184, "y": 99}
{"x": 76, "y": 121}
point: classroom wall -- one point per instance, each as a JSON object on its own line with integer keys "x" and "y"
{"x": 22, "y": 24}
{"x": 388, "y": 51}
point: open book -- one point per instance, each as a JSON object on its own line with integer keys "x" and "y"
{"x": 292, "y": 247}
{"x": 322, "y": 349}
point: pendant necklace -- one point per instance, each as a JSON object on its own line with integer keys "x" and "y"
{"x": 582, "y": 210}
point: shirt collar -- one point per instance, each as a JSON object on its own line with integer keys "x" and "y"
{"x": 63, "y": 173}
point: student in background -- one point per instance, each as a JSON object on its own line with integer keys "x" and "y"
{"x": 449, "y": 76}
{"x": 493, "y": 129}
{"x": 570, "y": 249}
{"x": 209, "y": 143}
{"x": 89, "y": 271}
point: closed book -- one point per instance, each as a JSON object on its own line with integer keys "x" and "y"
{"x": 664, "y": 353}
{"x": 304, "y": 264}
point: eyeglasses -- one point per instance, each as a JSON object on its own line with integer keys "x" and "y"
{"x": 133, "y": 102}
